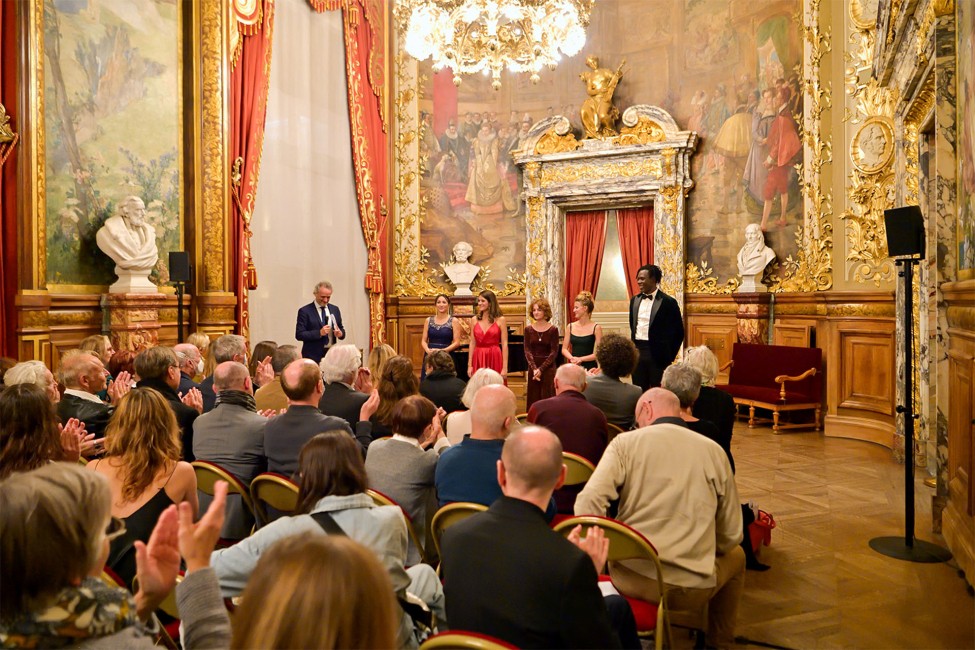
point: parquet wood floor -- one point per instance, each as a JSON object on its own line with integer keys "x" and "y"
{"x": 827, "y": 588}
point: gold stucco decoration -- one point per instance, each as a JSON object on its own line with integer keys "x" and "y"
{"x": 644, "y": 132}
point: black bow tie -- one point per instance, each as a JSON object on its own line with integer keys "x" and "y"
{"x": 646, "y": 295}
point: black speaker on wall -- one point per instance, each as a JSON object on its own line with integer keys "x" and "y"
{"x": 905, "y": 231}
{"x": 179, "y": 266}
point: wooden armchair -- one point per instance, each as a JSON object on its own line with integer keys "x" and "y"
{"x": 777, "y": 378}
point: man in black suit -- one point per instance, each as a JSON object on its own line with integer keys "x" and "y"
{"x": 319, "y": 324}
{"x": 656, "y": 327}
{"x": 285, "y": 434}
{"x": 507, "y": 574}
{"x": 84, "y": 376}
{"x": 158, "y": 368}
{"x": 339, "y": 370}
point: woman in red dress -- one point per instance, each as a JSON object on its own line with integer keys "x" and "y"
{"x": 541, "y": 352}
{"x": 489, "y": 337}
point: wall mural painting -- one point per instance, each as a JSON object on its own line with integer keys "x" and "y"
{"x": 727, "y": 69}
{"x": 112, "y": 115}
{"x": 966, "y": 139}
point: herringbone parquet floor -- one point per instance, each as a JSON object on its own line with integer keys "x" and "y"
{"x": 827, "y": 588}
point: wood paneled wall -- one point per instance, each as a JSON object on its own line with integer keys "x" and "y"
{"x": 958, "y": 524}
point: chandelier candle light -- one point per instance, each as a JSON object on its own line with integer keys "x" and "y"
{"x": 471, "y": 36}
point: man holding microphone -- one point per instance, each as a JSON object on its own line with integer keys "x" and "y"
{"x": 319, "y": 324}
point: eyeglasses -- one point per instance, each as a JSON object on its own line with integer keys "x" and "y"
{"x": 115, "y": 529}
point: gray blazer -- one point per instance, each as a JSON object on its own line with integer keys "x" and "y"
{"x": 614, "y": 398}
{"x": 286, "y": 434}
{"x": 233, "y": 437}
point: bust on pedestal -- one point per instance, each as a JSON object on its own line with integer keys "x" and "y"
{"x": 131, "y": 243}
{"x": 753, "y": 257}
{"x": 461, "y": 272}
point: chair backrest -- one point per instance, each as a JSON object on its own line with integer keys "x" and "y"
{"x": 270, "y": 489}
{"x": 460, "y": 640}
{"x": 758, "y": 365}
{"x": 383, "y": 500}
{"x": 207, "y": 475}
{"x": 577, "y": 469}
{"x": 613, "y": 430}
{"x": 449, "y": 515}
{"x": 522, "y": 418}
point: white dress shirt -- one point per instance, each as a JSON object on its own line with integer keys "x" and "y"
{"x": 643, "y": 317}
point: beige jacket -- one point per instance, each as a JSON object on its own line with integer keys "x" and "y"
{"x": 676, "y": 487}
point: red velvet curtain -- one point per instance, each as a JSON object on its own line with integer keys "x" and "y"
{"x": 365, "y": 39}
{"x": 635, "y": 226}
{"x": 585, "y": 240}
{"x": 248, "y": 108}
{"x": 8, "y": 181}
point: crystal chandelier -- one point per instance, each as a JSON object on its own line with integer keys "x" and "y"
{"x": 470, "y": 36}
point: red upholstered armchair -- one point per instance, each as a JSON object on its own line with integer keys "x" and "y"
{"x": 778, "y": 378}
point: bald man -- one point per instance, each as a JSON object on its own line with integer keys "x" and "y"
{"x": 507, "y": 574}
{"x": 580, "y": 426}
{"x": 677, "y": 488}
{"x": 84, "y": 376}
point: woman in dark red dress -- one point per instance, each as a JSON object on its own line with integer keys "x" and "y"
{"x": 541, "y": 352}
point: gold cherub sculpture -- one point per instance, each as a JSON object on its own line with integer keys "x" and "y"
{"x": 6, "y": 133}
{"x": 598, "y": 113}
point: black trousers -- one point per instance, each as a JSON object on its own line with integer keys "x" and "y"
{"x": 647, "y": 373}
{"x": 621, "y": 618}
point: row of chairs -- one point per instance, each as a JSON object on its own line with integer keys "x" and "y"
{"x": 611, "y": 428}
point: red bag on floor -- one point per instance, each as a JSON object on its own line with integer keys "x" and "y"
{"x": 760, "y": 530}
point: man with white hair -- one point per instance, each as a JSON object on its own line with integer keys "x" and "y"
{"x": 319, "y": 323}
{"x": 84, "y": 376}
{"x": 190, "y": 365}
{"x": 677, "y": 488}
{"x": 339, "y": 370}
{"x": 580, "y": 426}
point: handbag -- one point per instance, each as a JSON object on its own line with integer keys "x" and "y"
{"x": 760, "y": 530}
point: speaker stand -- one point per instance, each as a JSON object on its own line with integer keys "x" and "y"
{"x": 907, "y": 547}
{"x": 179, "y": 311}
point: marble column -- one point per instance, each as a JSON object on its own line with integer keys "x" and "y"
{"x": 753, "y": 316}
{"x": 133, "y": 319}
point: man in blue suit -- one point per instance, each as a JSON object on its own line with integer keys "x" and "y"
{"x": 319, "y": 324}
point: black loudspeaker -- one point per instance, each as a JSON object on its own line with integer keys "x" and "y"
{"x": 905, "y": 231}
{"x": 179, "y": 266}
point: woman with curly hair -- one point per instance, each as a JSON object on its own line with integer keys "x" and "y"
{"x": 541, "y": 352}
{"x": 143, "y": 467}
{"x": 396, "y": 382}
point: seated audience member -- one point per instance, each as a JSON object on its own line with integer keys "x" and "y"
{"x": 507, "y": 574}
{"x": 158, "y": 369}
{"x": 459, "y": 422}
{"x": 396, "y": 382}
{"x": 55, "y": 530}
{"x": 201, "y": 341}
{"x": 6, "y": 363}
{"x": 655, "y": 472}
{"x": 101, "y": 346}
{"x": 285, "y": 434}
{"x": 332, "y": 497}
{"x": 84, "y": 378}
{"x": 271, "y": 395}
{"x": 263, "y": 350}
{"x": 340, "y": 368}
{"x": 123, "y": 361}
{"x": 229, "y": 347}
{"x": 712, "y": 404}
{"x": 379, "y": 356}
{"x": 34, "y": 372}
{"x": 144, "y": 471}
{"x": 232, "y": 436}
{"x": 190, "y": 365}
{"x": 441, "y": 385}
{"x": 30, "y": 436}
{"x": 617, "y": 356}
{"x": 338, "y": 595}
{"x": 403, "y": 467}
{"x": 685, "y": 382}
{"x": 580, "y": 426}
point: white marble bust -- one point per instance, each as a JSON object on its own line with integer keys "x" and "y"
{"x": 130, "y": 241}
{"x": 753, "y": 257}
{"x": 460, "y": 271}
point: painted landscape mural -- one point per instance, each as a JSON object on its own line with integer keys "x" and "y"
{"x": 725, "y": 68}
{"x": 966, "y": 140}
{"x": 112, "y": 105}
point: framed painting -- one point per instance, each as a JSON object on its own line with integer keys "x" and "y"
{"x": 965, "y": 25}
{"x": 111, "y": 88}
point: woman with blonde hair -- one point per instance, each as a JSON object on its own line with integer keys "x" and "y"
{"x": 459, "y": 422}
{"x": 712, "y": 404}
{"x": 143, "y": 467}
{"x": 316, "y": 591}
{"x": 583, "y": 336}
{"x": 489, "y": 336}
{"x": 396, "y": 382}
{"x": 379, "y": 356}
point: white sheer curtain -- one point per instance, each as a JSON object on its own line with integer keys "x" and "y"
{"x": 306, "y": 219}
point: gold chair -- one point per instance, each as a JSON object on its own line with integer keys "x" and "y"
{"x": 626, "y": 543}
{"x": 522, "y": 418}
{"x": 270, "y": 489}
{"x": 577, "y": 469}
{"x": 383, "y": 500}
{"x": 460, "y": 640}
{"x": 207, "y": 475}
{"x": 449, "y": 515}
{"x": 613, "y": 430}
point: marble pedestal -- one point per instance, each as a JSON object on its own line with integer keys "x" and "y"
{"x": 132, "y": 282}
{"x": 133, "y": 319}
{"x": 753, "y": 316}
